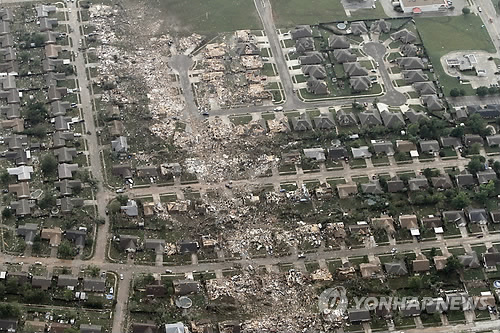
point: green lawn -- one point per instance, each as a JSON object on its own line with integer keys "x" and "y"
{"x": 462, "y": 32}
{"x": 288, "y": 13}
{"x": 210, "y": 17}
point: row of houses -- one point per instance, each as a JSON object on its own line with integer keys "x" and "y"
{"x": 418, "y": 183}
{"x": 11, "y": 326}
{"x": 132, "y": 244}
{"x": 312, "y": 61}
{"x": 436, "y": 223}
{"x": 388, "y": 148}
{"x": 53, "y": 235}
{"x": 19, "y": 147}
{"x": 87, "y": 284}
{"x": 414, "y": 307}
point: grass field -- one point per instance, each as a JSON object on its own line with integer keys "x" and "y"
{"x": 462, "y": 32}
{"x": 288, "y": 13}
{"x": 209, "y": 17}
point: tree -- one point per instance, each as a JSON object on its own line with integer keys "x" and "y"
{"x": 454, "y": 92}
{"x": 415, "y": 283}
{"x": 4, "y": 178}
{"x": 457, "y": 132}
{"x": 122, "y": 199}
{"x": 475, "y": 165}
{"x": 47, "y": 201}
{"x": 477, "y": 125}
{"x": 48, "y": 165}
{"x": 433, "y": 252}
{"x": 466, "y": 10}
{"x": 492, "y": 90}
{"x": 94, "y": 270}
{"x": 461, "y": 200}
{"x": 66, "y": 250}
{"x": 71, "y": 330}
{"x": 496, "y": 166}
{"x": 482, "y": 91}
{"x": 9, "y": 310}
{"x": 453, "y": 265}
{"x": 7, "y": 213}
{"x": 36, "y": 113}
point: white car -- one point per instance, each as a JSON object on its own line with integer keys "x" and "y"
{"x": 479, "y": 9}
{"x": 121, "y": 276}
{"x": 278, "y": 108}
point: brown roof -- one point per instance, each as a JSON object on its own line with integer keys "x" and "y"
{"x": 347, "y": 189}
{"x": 408, "y": 221}
{"x": 421, "y": 264}
{"x": 53, "y": 235}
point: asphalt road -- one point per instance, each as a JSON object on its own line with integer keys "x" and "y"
{"x": 377, "y": 51}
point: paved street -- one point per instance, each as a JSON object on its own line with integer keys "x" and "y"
{"x": 377, "y": 51}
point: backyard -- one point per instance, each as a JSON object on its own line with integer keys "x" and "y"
{"x": 462, "y": 32}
